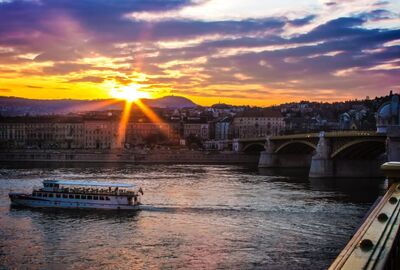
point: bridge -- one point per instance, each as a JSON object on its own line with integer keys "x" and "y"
{"x": 326, "y": 154}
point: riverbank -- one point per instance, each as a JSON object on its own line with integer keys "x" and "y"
{"x": 181, "y": 156}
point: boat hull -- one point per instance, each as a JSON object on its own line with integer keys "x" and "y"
{"x": 25, "y": 200}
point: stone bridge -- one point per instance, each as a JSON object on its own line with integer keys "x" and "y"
{"x": 327, "y": 154}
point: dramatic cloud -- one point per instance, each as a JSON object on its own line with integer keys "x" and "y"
{"x": 258, "y": 52}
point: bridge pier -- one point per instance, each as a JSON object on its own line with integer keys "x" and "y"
{"x": 321, "y": 168}
{"x": 321, "y": 163}
{"x": 268, "y": 160}
{"x": 237, "y": 146}
{"x": 393, "y": 143}
{"x": 325, "y": 164}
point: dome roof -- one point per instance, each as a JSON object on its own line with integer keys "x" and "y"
{"x": 345, "y": 116}
{"x": 384, "y": 111}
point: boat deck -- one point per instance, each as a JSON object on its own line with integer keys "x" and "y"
{"x": 102, "y": 192}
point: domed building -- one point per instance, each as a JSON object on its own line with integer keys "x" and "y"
{"x": 388, "y": 115}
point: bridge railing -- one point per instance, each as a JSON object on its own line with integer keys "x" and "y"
{"x": 376, "y": 244}
{"x": 330, "y": 134}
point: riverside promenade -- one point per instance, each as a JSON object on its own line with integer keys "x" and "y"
{"x": 181, "y": 156}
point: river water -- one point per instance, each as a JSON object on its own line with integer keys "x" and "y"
{"x": 194, "y": 217}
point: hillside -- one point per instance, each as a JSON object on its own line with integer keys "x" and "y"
{"x": 10, "y": 106}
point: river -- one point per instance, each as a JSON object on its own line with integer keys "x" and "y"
{"x": 193, "y": 217}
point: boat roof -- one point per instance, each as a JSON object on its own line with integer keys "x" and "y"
{"x": 88, "y": 183}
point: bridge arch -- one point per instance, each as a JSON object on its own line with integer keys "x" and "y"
{"x": 360, "y": 149}
{"x": 253, "y": 147}
{"x": 297, "y": 146}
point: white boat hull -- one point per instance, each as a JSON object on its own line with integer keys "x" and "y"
{"x": 26, "y": 200}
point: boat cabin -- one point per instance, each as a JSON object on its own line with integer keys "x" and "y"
{"x": 89, "y": 188}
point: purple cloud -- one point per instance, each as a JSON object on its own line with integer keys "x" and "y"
{"x": 260, "y": 50}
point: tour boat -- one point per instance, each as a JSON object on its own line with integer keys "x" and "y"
{"x": 82, "y": 195}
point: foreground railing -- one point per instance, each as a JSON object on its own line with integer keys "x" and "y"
{"x": 376, "y": 243}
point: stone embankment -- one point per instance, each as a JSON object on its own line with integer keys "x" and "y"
{"x": 134, "y": 157}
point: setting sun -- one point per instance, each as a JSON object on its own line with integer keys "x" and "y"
{"x": 129, "y": 93}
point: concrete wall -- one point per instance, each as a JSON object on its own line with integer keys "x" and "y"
{"x": 357, "y": 168}
{"x": 201, "y": 157}
{"x": 155, "y": 156}
{"x": 326, "y": 168}
{"x": 66, "y": 156}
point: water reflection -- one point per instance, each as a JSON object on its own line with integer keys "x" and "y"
{"x": 200, "y": 217}
{"x": 362, "y": 190}
{"x": 52, "y": 214}
{"x": 289, "y": 172}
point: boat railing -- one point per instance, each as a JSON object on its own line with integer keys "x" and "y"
{"x": 113, "y": 192}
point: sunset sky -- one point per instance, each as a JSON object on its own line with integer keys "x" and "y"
{"x": 257, "y": 52}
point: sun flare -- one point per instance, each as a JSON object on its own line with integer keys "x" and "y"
{"x": 129, "y": 93}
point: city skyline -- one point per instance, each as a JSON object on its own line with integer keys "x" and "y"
{"x": 255, "y": 53}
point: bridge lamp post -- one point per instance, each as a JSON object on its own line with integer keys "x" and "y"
{"x": 392, "y": 172}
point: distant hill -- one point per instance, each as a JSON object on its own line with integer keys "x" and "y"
{"x": 10, "y": 106}
{"x": 170, "y": 102}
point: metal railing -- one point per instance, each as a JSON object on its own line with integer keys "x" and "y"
{"x": 376, "y": 243}
{"x": 330, "y": 134}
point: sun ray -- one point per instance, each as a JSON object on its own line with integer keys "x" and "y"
{"x": 131, "y": 95}
{"x": 130, "y": 92}
{"x": 154, "y": 118}
{"x": 96, "y": 106}
{"x": 123, "y": 123}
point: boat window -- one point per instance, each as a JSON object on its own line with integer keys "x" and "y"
{"x": 77, "y": 197}
{"x": 44, "y": 194}
{"x": 83, "y": 197}
{"x": 95, "y": 197}
{"x": 50, "y": 195}
{"x": 58, "y": 195}
{"x": 89, "y": 197}
{"x": 71, "y": 196}
{"x": 65, "y": 196}
{"x": 102, "y": 198}
{"x": 34, "y": 194}
{"x": 107, "y": 198}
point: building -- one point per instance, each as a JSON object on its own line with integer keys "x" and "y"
{"x": 44, "y": 132}
{"x": 69, "y": 134}
{"x": 222, "y": 129}
{"x": 388, "y": 115}
{"x": 197, "y": 128}
{"x": 89, "y": 131}
{"x": 349, "y": 121}
{"x": 12, "y": 133}
{"x": 255, "y": 123}
{"x": 102, "y": 134}
{"x": 152, "y": 133}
